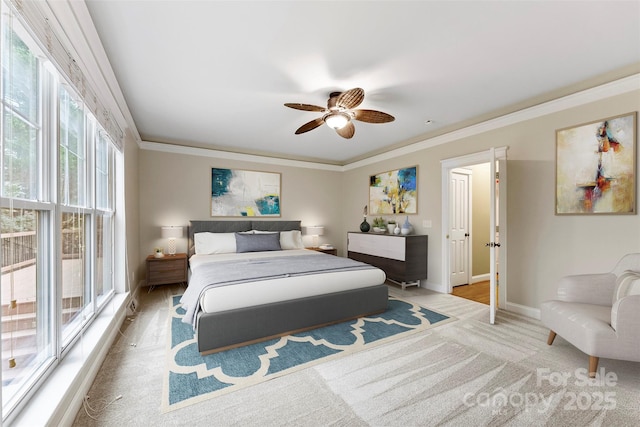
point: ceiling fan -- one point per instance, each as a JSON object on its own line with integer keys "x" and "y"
{"x": 339, "y": 113}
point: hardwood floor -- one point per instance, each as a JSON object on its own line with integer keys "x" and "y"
{"x": 476, "y": 292}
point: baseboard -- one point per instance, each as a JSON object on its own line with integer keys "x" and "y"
{"x": 480, "y": 278}
{"x": 437, "y": 287}
{"x": 523, "y": 309}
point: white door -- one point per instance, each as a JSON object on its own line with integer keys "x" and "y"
{"x": 459, "y": 227}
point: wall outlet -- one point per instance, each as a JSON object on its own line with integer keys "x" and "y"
{"x": 426, "y": 223}
{"x": 131, "y": 308}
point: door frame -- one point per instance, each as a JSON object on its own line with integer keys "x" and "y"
{"x": 469, "y": 160}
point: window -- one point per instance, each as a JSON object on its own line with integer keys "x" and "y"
{"x": 26, "y": 299}
{"x": 57, "y": 190}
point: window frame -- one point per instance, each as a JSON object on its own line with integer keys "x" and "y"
{"x": 50, "y": 206}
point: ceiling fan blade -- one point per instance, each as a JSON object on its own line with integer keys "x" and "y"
{"x": 372, "y": 116}
{"x": 304, "y": 107}
{"x": 347, "y": 131}
{"x": 310, "y": 126}
{"x": 350, "y": 98}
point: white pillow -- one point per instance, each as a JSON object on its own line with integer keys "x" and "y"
{"x": 291, "y": 239}
{"x": 627, "y": 283}
{"x": 214, "y": 243}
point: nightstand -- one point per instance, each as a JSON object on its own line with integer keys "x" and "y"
{"x": 165, "y": 270}
{"x": 332, "y": 251}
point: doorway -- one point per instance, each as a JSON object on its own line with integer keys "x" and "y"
{"x": 496, "y": 158}
{"x": 470, "y": 222}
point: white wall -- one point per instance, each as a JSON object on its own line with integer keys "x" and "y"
{"x": 480, "y": 219}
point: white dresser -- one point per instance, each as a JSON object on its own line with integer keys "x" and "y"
{"x": 402, "y": 258}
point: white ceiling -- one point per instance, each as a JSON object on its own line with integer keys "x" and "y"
{"x": 217, "y": 73}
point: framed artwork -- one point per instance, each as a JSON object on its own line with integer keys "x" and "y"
{"x": 596, "y": 167}
{"x": 394, "y": 192}
{"x": 238, "y": 193}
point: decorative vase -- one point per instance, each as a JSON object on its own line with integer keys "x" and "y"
{"x": 364, "y": 226}
{"x": 396, "y": 230}
{"x": 406, "y": 227}
{"x": 390, "y": 228}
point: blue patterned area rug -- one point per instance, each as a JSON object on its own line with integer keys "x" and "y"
{"x": 192, "y": 378}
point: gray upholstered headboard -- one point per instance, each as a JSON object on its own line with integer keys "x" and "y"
{"x": 235, "y": 226}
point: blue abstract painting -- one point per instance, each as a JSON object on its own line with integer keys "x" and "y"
{"x": 244, "y": 193}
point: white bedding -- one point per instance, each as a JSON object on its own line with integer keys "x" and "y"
{"x": 280, "y": 289}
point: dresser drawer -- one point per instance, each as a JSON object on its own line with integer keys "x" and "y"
{"x": 166, "y": 266}
{"x": 171, "y": 276}
{"x": 402, "y": 258}
{"x": 392, "y": 247}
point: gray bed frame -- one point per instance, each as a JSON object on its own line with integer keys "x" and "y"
{"x": 233, "y": 328}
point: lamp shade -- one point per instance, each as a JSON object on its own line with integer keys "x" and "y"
{"x": 336, "y": 120}
{"x": 315, "y": 230}
{"x": 171, "y": 232}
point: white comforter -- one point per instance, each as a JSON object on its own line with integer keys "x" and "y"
{"x": 250, "y": 294}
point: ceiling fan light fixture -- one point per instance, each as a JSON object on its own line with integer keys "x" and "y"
{"x": 337, "y": 120}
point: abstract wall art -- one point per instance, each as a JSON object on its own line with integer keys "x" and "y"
{"x": 596, "y": 167}
{"x": 394, "y": 192}
{"x": 238, "y": 193}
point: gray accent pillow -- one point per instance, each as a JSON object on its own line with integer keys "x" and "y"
{"x": 257, "y": 242}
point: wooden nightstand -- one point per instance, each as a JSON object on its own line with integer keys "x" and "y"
{"x": 165, "y": 270}
{"x": 332, "y": 251}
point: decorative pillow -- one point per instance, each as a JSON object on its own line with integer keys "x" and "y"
{"x": 627, "y": 283}
{"x": 214, "y": 243}
{"x": 291, "y": 239}
{"x": 257, "y": 242}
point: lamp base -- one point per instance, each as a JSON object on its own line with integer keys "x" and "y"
{"x": 172, "y": 246}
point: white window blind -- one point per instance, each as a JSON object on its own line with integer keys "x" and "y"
{"x": 31, "y": 13}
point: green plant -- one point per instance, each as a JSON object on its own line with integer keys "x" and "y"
{"x": 391, "y": 221}
{"x": 379, "y": 222}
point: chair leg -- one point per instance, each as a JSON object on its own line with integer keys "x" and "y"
{"x": 593, "y": 366}
{"x": 552, "y": 336}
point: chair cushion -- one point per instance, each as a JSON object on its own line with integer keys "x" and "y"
{"x": 627, "y": 283}
{"x": 586, "y": 326}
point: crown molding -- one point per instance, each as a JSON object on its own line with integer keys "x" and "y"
{"x": 229, "y": 155}
{"x": 607, "y": 90}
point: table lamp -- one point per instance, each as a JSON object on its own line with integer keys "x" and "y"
{"x": 171, "y": 233}
{"x": 315, "y": 231}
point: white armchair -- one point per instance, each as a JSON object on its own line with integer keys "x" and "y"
{"x": 599, "y": 313}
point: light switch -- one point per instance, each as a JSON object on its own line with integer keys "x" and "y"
{"x": 426, "y": 223}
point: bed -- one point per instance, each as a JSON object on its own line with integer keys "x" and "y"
{"x": 232, "y": 309}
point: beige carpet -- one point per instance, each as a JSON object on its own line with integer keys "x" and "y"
{"x": 463, "y": 373}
